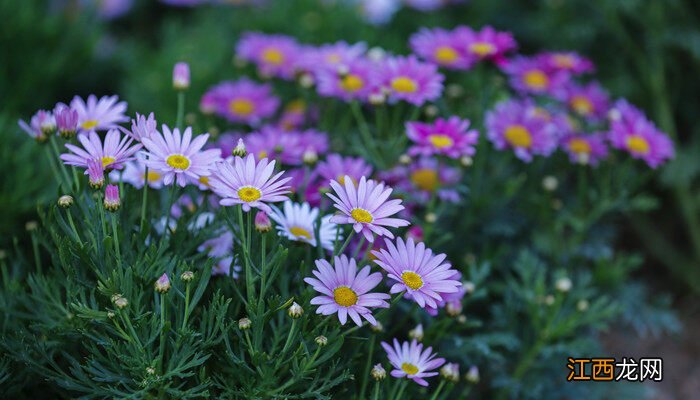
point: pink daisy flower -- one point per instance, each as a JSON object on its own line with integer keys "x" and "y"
{"x": 274, "y": 55}
{"x": 330, "y": 57}
{"x": 411, "y": 361}
{"x": 590, "y": 101}
{"x": 286, "y": 147}
{"x": 365, "y": 206}
{"x": 486, "y": 44}
{"x": 335, "y": 167}
{"x": 111, "y": 154}
{"x": 345, "y": 291}
{"x": 40, "y": 126}
{"x": 419, "y": 273}
{"x": 450, "y": 137}
{"x": 179, "y": 157}
{"x": 440, "y": 47}
{"x": 410, "y": 80}
{"x": 521, "y": 126}
{"x": 142, "y": 127}
{"x": 585, "y": 149}
{"x": 101, "y": 114}
{"x": 243, "y": 101}
{"x": 568, "y": 62}
{"x": 250, "y": 184}
{"x": 631, "y": 131}
{"x": 529, "y": 75}
{"x": 356, "y": 81}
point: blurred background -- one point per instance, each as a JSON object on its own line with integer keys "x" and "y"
{"x": 648, "y": 52}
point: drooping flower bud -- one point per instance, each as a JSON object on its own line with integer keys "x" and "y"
{"x": 262, "y": 222}
{"x": 378, "y": 372}
{"x": 66, "y": 120}
{"x": 239, "y": 150}
{"x": 244, "y": 323}
{"x": 162, "y": 285}
{"x": 181, "y": 76}
{"x": 450, "y": 372}
{"x": 295, "y": 311}
{"x": 96, "y": 174}
{"x": 112, "y": 201}
{"x": 65, "y": 201}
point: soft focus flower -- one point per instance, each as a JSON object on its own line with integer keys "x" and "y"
{"x": 111, "y": 201}
{"x": 529, "y": 75}
{"x": 40, "y": 126}
{"x": 285, "y": 147}
{"x": 293, "y": 116}
{"x": 410, "y": 80}
{"x": 96, "y": 173}
{"x": 345, "y": 291}
{"x": 295, "y": 310}
{"x": 417, "y": 333}
{"x": 336, "y": 167}
{"x": 633, "y": 132}
{"x": 112, "y": 154}
{"x": 411, "y": 361}
{"x": 441, "y": 47}
{"x": 298, "y": 222}
{"x": 589, "y": 101}
{"x": 585, "y": 149}
{"x": 142, "y": 127}
{"x": 450, "y": 137}
{"x": 563, "y": 284}
{"x": 136, "y": 174}
{"x": 423, "y": 178}
{"x": 248, "y": 183}
{"x": 331, "y": 57}
{"x": 262, "y": 222}
{"x": 240, "y": 149}
{"x": 472, "y": 374}
{"x": 567, "y": 61}
{"x": 181, "y": 76}
{"x": 423, "y": 276}
{"x": 365, "y": 206}
{"x": 179, "y": 158}
{"x": 450, "y": 372}
{"x": 162, "y": 285}
{"x": 379, "y": 11}
{"x": 243, "y": 101}
{"x": 356, "y": 82}
{"x": 66, "y": 120}
{"x": 221, "y": 249}
{"x": 101, "y": 114}
{"x": 486, "y": 44}
{"x": 519, "y": 126}
{"x": 274, "y": 55}
{"x": 378, "y": 372}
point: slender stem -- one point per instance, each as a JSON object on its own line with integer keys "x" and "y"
{"x": 127, "y": 321}
{"x": 187, "y": 306}
{"x": 168, "y": 211}
{"x": 180, "y": 109}
{"x": 72, "y": 226}
{"x": 438, "y": 390}
{"x": 345, "y": 244}
{"x": 162, "y": 332}
{"x": 368, "y": 366}
{"x": 375, "y": 396}
{"x": 144, "y": 200}
{"x": 101, "y": 210}
{"x": 115, "y": 233}
{"x": 56, "y": 152}
{"x": 288, "y": 341}
{"x": 263, "y": 263}
{"x": 359, "y": 246}
{"x": 35, "y": 248}
{"x": 248, "y": 270}
{"x": 404, "y": 383}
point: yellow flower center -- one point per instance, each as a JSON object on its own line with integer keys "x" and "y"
{"x": 106, "y": 160}
{"x": 344, "y": 296}
{"x": 89, "y": 124}
{"x": 409, "y": 368}
{"x": 637, "y": 144}
{"x": 579, "y": 146}
{"x": 482, "y": 49}
{"x": 361, "y": 216}
{"x": 536, "y": 79}
{"x": 300, "y": 232}
{"x": 446, "y": 55}
{"x": 152, "y": 176}
{"x": 249, "y": 193}
{"x": 352, "y": 83}
{"x": 518, "y": 136}
{"x": 296, "y": 106}
{"x": 262, "y": 154}
{"x": 564, "y": 61}
{"x": 412, "y": 280}
{"x": 341, "y": 180}
{"x": 178, "y": 161}
{"x": 404, "y": 84}
{"x": 582, "y": 105}
{"x": 243, "y": 107}
{"x": 333, "y": 58}
{"x": 204, "y": 180}
{"x": 440, "y": 141}
{"x": 272, "y": 56}
{"x": 425, "y": 179}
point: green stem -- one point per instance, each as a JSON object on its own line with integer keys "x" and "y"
{"x": 35, "y": 248}
{"x": 180, "y": 109}
{"x": 162, "y": 332}
{"x": 72, "y": 226}
{"x": 248, "y": 270}
{"x": 56, "y": 152}
{"x": 187, "y": 306}
{"x": 438, "y": 390}
{"x": 345, "y": 244}
{"x": 116, "y": 239}
{"x": 375, "y": 395}
{"x": 128, "y": 323}
{"x": 144, "y": 201}
{"x": 288, "y": 341}
{"x": 368, "y": 366}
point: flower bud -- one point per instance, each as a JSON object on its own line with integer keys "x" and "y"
{"x": 46, "y": 122}
{"x": 416, "y": 333}
{"x": 582, "y": 305}
{"x": 453, "y": 308}
{"x": 96, "y": 174}
{"x": 119, "y": 301}
{"x": 431, "y": 111}
{"x": 162, "y": 285}
{"x": 310, "y": 157}
{"x": 466, "y": 161}
{"x": 262, "y": 222}
{"x": 472, "y": 375}
{"x": 378, "y": 372}
{"x": 150, "y": 370}
{"x": 65, "y": 201}
{"x": 550, "y": 183}
{"x": 376, "y": 99}
{"x": 450, "y": 372}
{"x": 376, "y": 54}
{"x": 187, "y": 276}
{"x": 469, "y": 287}
{"x": 239, "y": 150}
{"x": 31, "y": 226}
{"x": 405, "y": 159}
{"x": 66, "y": 120}
{"x": 377, "y": 328}
{"x": 563, "y": 284}
{"x": 549, "y": 300}
{"x": 321, "y": 340}
{"x": 110, "y": 314}
{"x": 430, "y": 218}
{"x": 244, "y": 323}
{"x": 306, "y": 80}
{"x": 181, "y": 76}
{"x": 295, "y": 311}
{"x": 111, "y": 201}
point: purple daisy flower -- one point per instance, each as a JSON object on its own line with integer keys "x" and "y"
{"x": 450, "y": 137}
{"x": 136, "y": 175}
{"x": 142, "y": 127}
{"x": 422, "y": 275}
{"x": 293, "y": 116}
{"x": 411, "y": 361}
{"x": 356, "y": 82}
{"x": 631, "y": 131}
{"x": 366, "y": 207}
{"x": 570, "y": 62}
{"x": 112, "y": 154}
{"x": 590, "y": 101}
{"x": 101, "y": 114}
{"x": 250, "y": 184}
{"x": 440, "y": 47}
{"x": 519, "y": 126}
{"x": 423, "y": 179}
{"x": 242, "y": 101}
{"x": 221, "y": 248}
{"x": 179, "y": 157}
{"x": 345, "y": 291}
{"x": 486, "y": 44}
{"x": 286, "y": 147}
{"x": 330, "y": 57}
{"x": 66, "y": 120}
{"x": 585, "y": 149}
{"x": 529, "y": 75}
{"x": 410, "y": 80}
{"x": 274, "y": 55}
{"x": 337, "y": 167}
{"x": 40, "y": 126}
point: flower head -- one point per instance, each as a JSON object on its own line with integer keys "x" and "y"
{"x": 142, "y": 127}
{"x": 410, "y": 80}
{"x": 441, "y": 47}
{"x": 589, "y": 101}
{"x": 65, "y": 201}
{"x": 66, "y": 120}
{"x": 411, "y": 361}
{"x": 274, "y": 55}
{"x": 243, "y": 101}
{"x": 356, "y": 81}
{"x": 111, "y": 154}
{"x": 378, "y": 372}
{"x": 162, "y": 285}
{"x": 365, "y": 206}
{"x": 585, "y": 149}
{"x": 96, "y": 173}
{"x": 298, "y": 222}
{"x": 486, "y": 44}
{"x": 330, "y": 57}
{"x": 95, "y": 115}
{"x": 286, "y": 147}
{"x": 567, "y": 61}
{"x": 111, "y": 201}
{"x": 181, "y": 76}
{"x": 345, "y": 291}
{"x": 221, "y": 249}
{"x": 262, "y": 222}
{"x": 179, "y": 157}
{"x": 40, "y": 126}
{"x": 248, "y": 183}
{"x": 450, "y": 137}
{"x": 529, "y": 75}
{"x": 295, "y": 310}
{"x": 425, "y": 277}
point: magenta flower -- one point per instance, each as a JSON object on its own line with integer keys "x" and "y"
{"x": 631, "y": 131}
{"x": 101, "y": 114}
{"x": 112, "y": 154}
{"x": 411, "y": 361}
{"x": 142, "y": 127}
{"x": 274, "y": 55}
{"x": 179, "y": 157}
{"x": 111, "y": 201}
{"x": 441, "y": 47}
{"x": 356, "y": 82}
{"x": 248, "y": 183}
{"x": 96, "y": 173}
{"x": 345, "y": 291}
{"x": 568, "y": 62}
{"x": 333, "y": 57}
{"x": 423, "y": 276}
{"x": 450, "y": 137}
{"x": 365, "y": 206}
{"x": 590, "y": 101}
{"x": 426, "y": 177}
{"x": 585, "y": 149}
{"x": 529, "y": 75}
{"x": 410, "y": 80}
{"x": 242, "y": 101}
{"x": 520, "y": 126}
{"x": 286, "y": 147}
{"x": 66, "y": 120}
{"x": 486, "y": 44}
{"x": 40, "y": 126}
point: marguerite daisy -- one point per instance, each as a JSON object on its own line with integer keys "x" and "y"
{"x": 298, "y": 222}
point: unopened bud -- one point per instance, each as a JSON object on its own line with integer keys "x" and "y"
{"x": 110, "y": 314}
{"x": 582, "y": 305}
{"x": 450, "y": 372}
{"x": 416, "y": 333}
{"x": 377, "y": 328}
{"x": 376, "y": 99}
{"x": 431, "y": 111}
{"x": 472, "y": 375}
{"x": 119, "y": 301}
{"x": 111, "y": 201}
{"x": 162, "y": 285}
{"x": 187, "y": 276}
{"x": 321, "y": 340}
{"x": 310, "y": 157}
{"x": 550, "y": 183}
{"x": 563, "y": 284}
{"x": 262, "y": 222}
{"x": 239, "y": 150}
{"x": 469, "y": 287}
{"x": 65, "y": 201}
{"x": 466, "y": 161}
{"x": 306, "y": 80}
{"x": 181, "y": 76}
{"x": 405, "y": 159}
{"x": 378, "y": 372}
{"x": 454, "y": 90}
{"x": 295, "y": 310}
{"x": 453, "y": 308}
{"x": 150, "y": 370}
{"x": 244, "y": 323}
{"x": 430, "y": 218}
